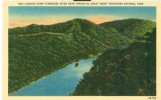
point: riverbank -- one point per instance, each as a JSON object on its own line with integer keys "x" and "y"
{"x": 61, "y": 67}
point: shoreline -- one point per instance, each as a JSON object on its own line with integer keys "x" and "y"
{"x": 63, "y": 66}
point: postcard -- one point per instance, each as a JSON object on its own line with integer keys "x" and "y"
{"x": 81, "y": 50}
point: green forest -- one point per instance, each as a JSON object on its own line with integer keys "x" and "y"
{"x": 124, "y": 48}
{"x": 126, "y": 72}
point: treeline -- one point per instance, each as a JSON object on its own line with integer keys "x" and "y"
{"x": 127, "y": 72}
{"x": 33, "y": 56}
{"x": 34, "y": 28}
{"x": 130, "y": 28}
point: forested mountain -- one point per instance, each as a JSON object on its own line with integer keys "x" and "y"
{"x": 39, "y": 50}
{"x": 75, "y": 26}
{"x": 131, "y": 28}
{"x": 131, "y": 71}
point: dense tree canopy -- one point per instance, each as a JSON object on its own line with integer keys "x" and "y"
{"x": 130, "y": 71}
{"x": 39, "y": 50}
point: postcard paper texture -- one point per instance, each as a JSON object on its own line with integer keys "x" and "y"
{"x": 81, "y": 50}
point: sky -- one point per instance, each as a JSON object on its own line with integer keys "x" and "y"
{"x": 25, "y": 15}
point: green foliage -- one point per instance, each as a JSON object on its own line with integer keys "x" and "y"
{"x": 40, "y": 55}
{"x": 127, "y": 72}
{"x": 39, "y": 50}
{"x": 34, "y": 55}
{"x": 131, "y": 28}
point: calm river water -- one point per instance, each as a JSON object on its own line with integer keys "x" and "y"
{"x": 61, "y": 83}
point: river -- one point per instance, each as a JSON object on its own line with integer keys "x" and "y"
{"x": 60, "y": 83}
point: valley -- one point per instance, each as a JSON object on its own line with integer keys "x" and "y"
{"x": 36, "y": 51}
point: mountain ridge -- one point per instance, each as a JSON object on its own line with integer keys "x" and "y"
{"x": 42, "y": 54}
{"x": 127, "y": 72}
{"x": 131, "y": 27}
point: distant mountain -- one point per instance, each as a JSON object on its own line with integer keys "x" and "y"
{"x": 37, "y": 54}
{"x": 39, "y": 50}
{"x": 63, "y": 27}
{"x": 74, "y": 26}
{"x": 131, "y": 28}
{"x": 126, "y": 72}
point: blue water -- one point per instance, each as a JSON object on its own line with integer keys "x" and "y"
{"x": 60, "y": 83}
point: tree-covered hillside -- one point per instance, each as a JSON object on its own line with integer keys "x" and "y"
{"x": 127, "y": 72}
{"x": 131, "y": 28}
{"x": 39, "y": 50}
{"x": 39, "y": 54}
